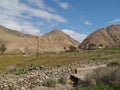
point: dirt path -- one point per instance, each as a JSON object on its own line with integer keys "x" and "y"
{"x": 82, "y": 72}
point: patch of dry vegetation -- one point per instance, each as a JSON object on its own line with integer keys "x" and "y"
{"x": 60, "y": 59}
{"x": 105, "y": 78}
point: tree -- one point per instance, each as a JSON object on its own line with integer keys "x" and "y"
{"x": 72, "y": 48}
{"x": 92, "y": 46}
{"x": 101, "y": 45}
{"x": 3, "y": 48}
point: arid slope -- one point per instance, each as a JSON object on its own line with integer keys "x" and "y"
{"x": 17, "y": 42}
{"x": 105, "y": 37}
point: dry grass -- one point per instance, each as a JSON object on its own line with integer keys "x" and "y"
{"x": 58, "y": 59}
{"x": 9, "y": 60}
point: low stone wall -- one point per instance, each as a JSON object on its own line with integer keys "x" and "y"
{"x": 37, "y": 77}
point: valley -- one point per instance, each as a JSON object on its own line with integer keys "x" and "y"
{"x": 55, "y": 61}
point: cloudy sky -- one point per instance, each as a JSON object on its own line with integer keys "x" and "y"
{"x": 77, "y": 18}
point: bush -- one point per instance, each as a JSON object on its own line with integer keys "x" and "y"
{"x": 62, "y": 80}
{"x": 107, "y": 75}
{"x": 41, "y": 67}
{"x": 25, "y": 69}
{"x": 3, "y": 48}
{"x": 97, "y": 87}
{"x": 50, "y": 82}
{"x": 115, "y": 78}
{"x": 72, "y": 48}
{"x": 114, "y": 63}
{"x": 91, "y": 46}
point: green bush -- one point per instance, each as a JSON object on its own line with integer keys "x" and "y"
{"x": 3, "y": 48}
{"x": 41, "y": 67}
{"x": 72, "y": 48}
{"x": 25, "y": 69}
{"x": 50, "y": 82}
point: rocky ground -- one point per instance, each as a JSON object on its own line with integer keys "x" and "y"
{"x": 34, "y": 79}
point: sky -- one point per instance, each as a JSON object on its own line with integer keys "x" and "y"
{"x": 77, "y": 18}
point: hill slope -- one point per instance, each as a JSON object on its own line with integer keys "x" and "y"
{"x": 18, "y": 42}
{"x": 56, "y": 40}
{"x": 105, "y": 37}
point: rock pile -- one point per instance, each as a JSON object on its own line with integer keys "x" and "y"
{"x": 37, "y": 77}
{"x": 32, "y": 79}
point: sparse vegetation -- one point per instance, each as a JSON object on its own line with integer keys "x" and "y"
{"x": 27, "y": 69}
{"x": 114, "y": 63}
{"x": 50, "y": 82}
{"x": 72, "y": 48}
{"x": 60, "y": 59}
{"x": 107, "y": 78}
{"x": 97, "y": 87}
{"x": 91, "y": 46}
{"x": 3, "y": 48}
{"x": 62, "y": 80}
{"x": 102, "y": 79}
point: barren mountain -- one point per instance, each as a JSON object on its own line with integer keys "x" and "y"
{"x": 105, "y": 37}
{"x": 17, "y": 42}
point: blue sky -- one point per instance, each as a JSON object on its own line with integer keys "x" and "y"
{"x": 77, "y": 18}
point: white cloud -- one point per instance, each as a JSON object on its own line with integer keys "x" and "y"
{"x": 87, "y": 23}
{"x": 114, "y": 21}
{"x": 75, "y": 35}
{"x": 19, "y": 25}
{"x": 40, "y": 4}
{"x": 64, "y": 5}
{"x": 57, "y": 1}
{"x": 28, "y": 27}
{"x": 10, "y": 12}
{"x": 17, "y": 15}
{"x": 44, "y": 14}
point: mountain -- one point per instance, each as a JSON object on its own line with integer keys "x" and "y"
{"x": 56, "y": 40}
{"x": 105, "y": 37}
{"x": 17, "y": 42}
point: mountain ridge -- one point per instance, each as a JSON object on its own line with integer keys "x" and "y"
{"x": 17, "y": 42}
{"x": 104, "y": 37}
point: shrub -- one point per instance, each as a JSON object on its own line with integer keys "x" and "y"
{"x": 72, "y": 48}
{"x": 108, "y": 76}
{"x": 115, "y": 78}
{"x": 58, "y": 65}
{"x": 114, "y": 63}
{"x": 91, "y": 46}
{"x": 62, "y": 80}
{"x": 50, "y": 82}
{"x": 3, "y": 48}
{"x": 97, "y": 87}
{"x": 41, "y": 67}
{"x": 25, "y": 69}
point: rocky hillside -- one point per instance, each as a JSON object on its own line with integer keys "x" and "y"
{"x": 17, "y": 42}
{"x": 56, "y": 41}
{"x": 105, "y": 37}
